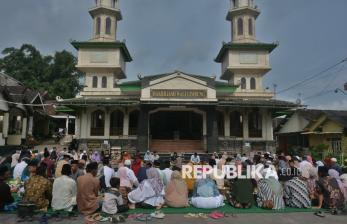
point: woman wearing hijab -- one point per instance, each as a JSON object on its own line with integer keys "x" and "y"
{"x": 334, "y": 174}
{"x": 136, "y": 166}
{"x": 328, "y": 191}
{"x": 176, "y": 192}
{"x": 241, "y": 191}
{"x": 150, "y": 192}
{"x": 125, "y": 185}
{"x": 270, "y": 193}
{"x": 206, "y": 194}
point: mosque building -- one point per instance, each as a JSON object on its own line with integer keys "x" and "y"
{"x": 175, "y": 111}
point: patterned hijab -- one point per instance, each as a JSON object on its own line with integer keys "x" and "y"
{"x": 153, "y": 178}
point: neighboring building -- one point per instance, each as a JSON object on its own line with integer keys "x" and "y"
{"x": 311, "y": 128}
{"x": 175, "y": 111}
{"x": 16, "y": 118}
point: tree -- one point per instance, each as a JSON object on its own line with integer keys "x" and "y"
{"x": 56, "y": 74}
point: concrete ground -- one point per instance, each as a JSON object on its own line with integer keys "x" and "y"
{"x": 282, "y": 218}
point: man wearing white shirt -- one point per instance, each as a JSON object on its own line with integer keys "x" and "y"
{"x": 130, "y": 173}
{"x": 108, "y": 172}
{"x": 19, "y": 168}
{"x": 195, "y": 158}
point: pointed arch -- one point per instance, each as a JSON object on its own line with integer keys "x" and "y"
{"x": 95, "y": 82}
{"x": 243, "y": 83}
{"x": 97, "y": 127}
{"x": 104, "y": 82}
{"x": 116, "y": 123}
{"x": 108, "y": 25}
{"x": 253, "y": 83}
{"x": 250, "y": 26}
{"x": 240, "y": 26}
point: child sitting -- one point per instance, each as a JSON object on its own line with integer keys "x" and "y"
{"x": 113, "y": 201}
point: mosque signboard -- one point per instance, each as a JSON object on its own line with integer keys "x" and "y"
{"x": 178, "y": 93}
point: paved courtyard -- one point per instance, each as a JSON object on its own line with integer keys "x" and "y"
{"x": 284, "y": 218}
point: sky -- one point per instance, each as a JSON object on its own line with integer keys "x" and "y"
{"x": 167, "y": 35}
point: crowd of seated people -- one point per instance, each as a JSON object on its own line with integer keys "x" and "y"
{"x": 70, "y": 181}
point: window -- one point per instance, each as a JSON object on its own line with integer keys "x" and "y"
{"x": 104, "y": 82}
{"x": 243, "y": 83}
{"x": 236, "y": 124}
{"x": 108, "y": 25}
{"x": 116, "y": 123}
{"x": 336, "y": 145}
{"x": 253, "y": 84}
{"x": 220, "y": 123}
{"x": 98, "y": 25}
{"x": 255, "y": 124}
{"x": 113, "y": 3}
{"x": 95, "y": 82}
{"x": 133, "y": 122}
{"x": 240, "y": 26}
{"x": 97, "y": 127}
{"x": 250, "y": 26}
{"x": 235, "y": 3}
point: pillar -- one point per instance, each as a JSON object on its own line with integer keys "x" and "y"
{"x": 143, "y": 129}
{"x": 5, "y": 125}
{"x": 24, "y": 128}
{"x": 126, "y": 124}
{"x": 30, "y": 125}
{"x": 77, "y": 126}
{"x": 212, "y": 129}
{"x": 245, "y": 125}
{"x": 85, "y": 123}
{"x": 226, "y": 124}
{"x": 107, "y": 123}
{"x": 67, "y": 125}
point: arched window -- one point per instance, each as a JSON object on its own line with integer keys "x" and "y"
{"x": 236, "y": 124}
{"x": 98, "y": 25}
{"x": 113, "y": 3}
{"x": 116, "y": 123}
{"x": 108, "y": 25}
{"x": 255, "y": 124}
{"x": 220, "y": 123}
{"x": 253, "y": 84}
{"x": 133, "y": 122}
{"x": 240, "y": 26}
{"x": 104, "y": 82}
{"x": 250, "y": 26}
{"x": 97, "y": 127}
{"x": 95, "y": 82}
{"x": 243, "y": 83}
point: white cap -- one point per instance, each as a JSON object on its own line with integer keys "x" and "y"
{"x": 333, "y": 160}
{"x": 127, "y": 162}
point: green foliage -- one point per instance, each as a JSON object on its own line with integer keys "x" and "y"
{"x": 321, "y": 147}
{"x": 56, "y": 74}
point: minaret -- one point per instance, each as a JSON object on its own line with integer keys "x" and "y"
{"x": 242, "y": 15}
{"x": 103, "y": 58}
{"x": 106, "y": 15}
{"x": 245, "y": 60}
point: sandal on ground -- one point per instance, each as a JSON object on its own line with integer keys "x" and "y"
{"x": 191, "y": 215}
{"x": 134, "y": 216}
{"x": 216, "y": 215}
{"x": 144, "y": 218}
{"x": 319, "y": 214}
{"x": 157, "y": 215}
{"x": 203, "y": 215}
